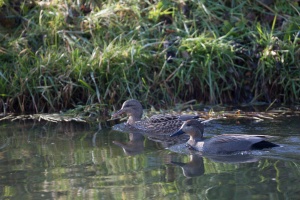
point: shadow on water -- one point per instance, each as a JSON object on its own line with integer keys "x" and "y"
{"x": 77, "y": 161}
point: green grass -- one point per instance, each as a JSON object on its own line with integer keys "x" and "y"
{"x": 56, "y": 56}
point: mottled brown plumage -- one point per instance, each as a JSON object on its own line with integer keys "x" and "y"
{"x": 155, "y": 125}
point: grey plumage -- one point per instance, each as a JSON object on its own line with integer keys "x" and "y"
{"x": 221, "y": 144}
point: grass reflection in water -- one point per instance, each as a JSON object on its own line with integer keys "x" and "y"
{"x": 68, "y": 161}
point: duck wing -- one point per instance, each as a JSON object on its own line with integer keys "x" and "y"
{"x": 228, "y": 138}
{"x": 163, "y": 124}
{"x": 228, "y": 143}
{"x": 162, "y": 118}
{"x": 167, "y": 118}
{"x": 187, "y": 117}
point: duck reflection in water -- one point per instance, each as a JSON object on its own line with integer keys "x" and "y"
{"x": 195, "y": 167}
{"x": 134, "y": 146}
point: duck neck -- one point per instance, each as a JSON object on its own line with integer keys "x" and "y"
{"x": 192, "y": 142}
{"x": 196, "y": 137}
{"x": 132, "y": 119}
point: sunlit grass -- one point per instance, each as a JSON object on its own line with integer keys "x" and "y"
{"x": 58, "y": 55}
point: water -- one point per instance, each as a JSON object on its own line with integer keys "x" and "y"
{"x": 75, "y": 161}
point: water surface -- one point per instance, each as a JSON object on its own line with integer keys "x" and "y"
{"x": 76, "y": 161}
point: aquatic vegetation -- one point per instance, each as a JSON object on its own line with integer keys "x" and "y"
{"x": 59, "y": 55}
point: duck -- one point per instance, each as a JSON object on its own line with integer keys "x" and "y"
{"x": 221, "y": 144}
{"x": 157, "y": 124}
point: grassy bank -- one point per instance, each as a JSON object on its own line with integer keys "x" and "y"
{"x": 58, "y": 55}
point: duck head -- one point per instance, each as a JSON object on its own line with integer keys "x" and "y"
{"x": 192, "y": 127}
{"x": 134, "y": 110}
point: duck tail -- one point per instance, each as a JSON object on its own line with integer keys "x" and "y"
{"x": 263, "y": 144}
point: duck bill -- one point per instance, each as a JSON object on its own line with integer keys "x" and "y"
{"x": 180, "y": 132}
{"x": 119, "y": 112}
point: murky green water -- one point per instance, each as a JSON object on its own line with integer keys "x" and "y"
{"x": 74, "y": 161}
